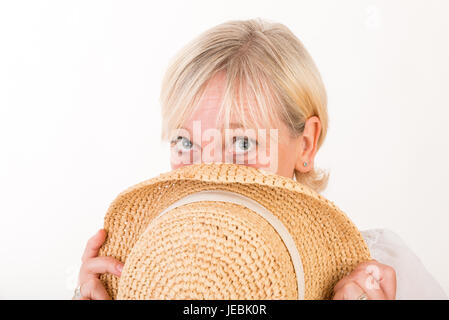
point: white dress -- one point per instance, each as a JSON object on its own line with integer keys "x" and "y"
{"x": 413, "y": 281}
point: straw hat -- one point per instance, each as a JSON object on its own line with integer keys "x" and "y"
{"x": 226, "y": 231}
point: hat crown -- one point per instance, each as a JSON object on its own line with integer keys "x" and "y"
{"x": 209, "y": 250}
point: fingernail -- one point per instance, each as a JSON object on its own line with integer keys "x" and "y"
{"x": 120, "y": 268}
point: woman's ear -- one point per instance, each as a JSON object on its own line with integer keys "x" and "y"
{"x": 307, "y": 145}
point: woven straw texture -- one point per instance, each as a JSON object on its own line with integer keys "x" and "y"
{"x": 196, "y": 251}
{"x": 209, "y": 250}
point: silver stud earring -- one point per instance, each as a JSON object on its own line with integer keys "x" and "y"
{"x": 305, "y": 164}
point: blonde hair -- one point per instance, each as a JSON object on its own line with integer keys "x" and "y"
{"x": 263, "y": 61}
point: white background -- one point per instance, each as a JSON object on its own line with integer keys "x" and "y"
{"x": 80, "y": 122}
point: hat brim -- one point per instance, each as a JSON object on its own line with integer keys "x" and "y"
{"x": 330, "y": 245}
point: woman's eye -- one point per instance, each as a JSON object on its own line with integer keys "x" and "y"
{"x": 243, "y": 144}
{"x": 182, "y": 144}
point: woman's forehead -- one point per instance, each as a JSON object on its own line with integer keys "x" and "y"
{"x": 244, "y": 112}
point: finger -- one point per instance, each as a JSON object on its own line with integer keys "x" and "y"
{"x": 385, "y": 277}
{"x": 93, "y": 245}
{"x": 367, "y": 275}
{"x": 369, "y": 285}
{"x": 94, "y": 290}
{"x": 100, "y": 265}
{"x": 364, "y": 267}
{"x": 341, "y": 283}
{"x": 349, "y": 290}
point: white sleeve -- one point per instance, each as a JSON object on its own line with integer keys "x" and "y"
{"x": 413, "y": 281}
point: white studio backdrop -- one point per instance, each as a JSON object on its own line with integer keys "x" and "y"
{"x": 80, "y": 121}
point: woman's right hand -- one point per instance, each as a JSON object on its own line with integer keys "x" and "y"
{"x": 91, "y": 287}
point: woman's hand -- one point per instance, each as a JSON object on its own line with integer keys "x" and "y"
{"x": 369, "y": 280}
{"x": 90, "y": 286}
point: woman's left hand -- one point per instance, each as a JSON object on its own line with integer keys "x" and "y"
{"x": 370, "y": 280}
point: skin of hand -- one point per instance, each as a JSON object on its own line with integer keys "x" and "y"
{"x": 376, "y": 280}
{"x": 93, "y": 266}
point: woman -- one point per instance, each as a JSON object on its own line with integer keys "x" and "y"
{"x": 218, "y": 92}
